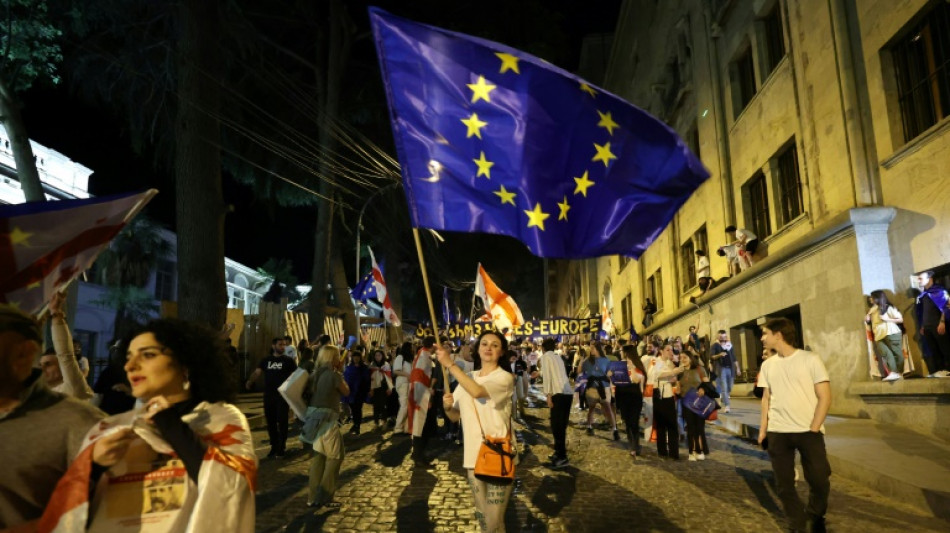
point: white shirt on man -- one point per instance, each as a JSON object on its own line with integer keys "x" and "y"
{"x": 402, "y": 365}
{"x": 553, "y": 376}
{"x": 494, "y": 412}
{"x": 791, "y": 382}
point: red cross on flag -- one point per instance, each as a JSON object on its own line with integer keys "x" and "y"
{"x": 388, "y": 313}
{"x": 502, "y": 308}
{"x": 46, "y": 245}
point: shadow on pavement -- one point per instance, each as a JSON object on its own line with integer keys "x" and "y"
{"x": 412, "y": 511}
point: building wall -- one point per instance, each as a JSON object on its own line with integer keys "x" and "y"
{"x": 833, "y": 95}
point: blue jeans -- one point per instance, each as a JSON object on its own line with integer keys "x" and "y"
{"x": 725, "y": 381}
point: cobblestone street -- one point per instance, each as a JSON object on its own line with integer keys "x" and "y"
{"x": 602, "y": 490}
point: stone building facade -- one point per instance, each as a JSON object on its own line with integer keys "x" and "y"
{"x": 825, "y": 125}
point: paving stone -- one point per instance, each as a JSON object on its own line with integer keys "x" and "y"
{"x": 603, "y": 490}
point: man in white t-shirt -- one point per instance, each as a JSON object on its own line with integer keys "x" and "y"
{"x": 557, "y": 387}
{"x": 796, "y": 397}
{"x": 746, "y": 244}
{"x": 402, "y": 367}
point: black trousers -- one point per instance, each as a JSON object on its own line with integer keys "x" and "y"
{"x": 667, "y": 429}
{"x": 380, "y": 398}
{"x": 277, "y": 413}
{"x": 419, "y": 444}
{"x": 939, "y": 348}
{"x": 695, "y": 432}
{"x": 559, "y": 416}
{"x": 356, "y": 408}
{"x": 811, "y": 446}
{"x": 630, "y": 403}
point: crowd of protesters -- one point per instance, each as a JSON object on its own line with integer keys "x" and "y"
{"x": 164, "y": 407}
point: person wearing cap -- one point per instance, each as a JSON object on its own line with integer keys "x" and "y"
{"x": 49, "y": 426}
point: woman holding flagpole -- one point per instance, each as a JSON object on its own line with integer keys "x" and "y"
{"x": 482, "y": 401}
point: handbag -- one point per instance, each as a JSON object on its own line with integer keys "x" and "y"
{"x": 495, "y": 462}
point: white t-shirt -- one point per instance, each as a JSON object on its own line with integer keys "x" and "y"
{"x": 748, "y": 235}
{"x": 404, "y": 366}
{"x": 291, "y": 352}
{"x": 553, "y": 377}
{"x": 494, "y": 411}
{"x": 893, "y": 314}
{"x": 791, "y": 382}
{"x": 702, "y": 266}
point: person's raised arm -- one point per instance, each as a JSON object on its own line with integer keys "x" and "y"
{"x": 475, "y": 390}
{"x": 65, "y": 354}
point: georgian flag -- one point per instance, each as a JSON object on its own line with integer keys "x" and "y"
{"x": 388, "y": 313}
{"x": 46, "y": 245}
{"x": 606, "y": 324}
{"x": 502, "y": 308}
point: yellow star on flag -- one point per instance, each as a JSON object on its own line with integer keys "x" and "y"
{"x": 484, "y": 166}
{"x": 588, "y": 89}
{"x": 565, "y": 207}
{"x": 583, "y": 183}
{"x": 603, "y": 153}
{"x": 607, "y": 121}
{"x": 507, "y": 197}
{"x": 481, "y": 89}
{"x": 19, "y": 237}
{"x": 536, "y": 217}
{"x": 474, "y": 126}
{"x": 508, "y": 62}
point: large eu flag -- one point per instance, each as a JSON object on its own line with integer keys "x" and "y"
{"x": 494, "y": 140}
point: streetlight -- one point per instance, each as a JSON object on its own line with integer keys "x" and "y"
{"x": 359, "y": 227}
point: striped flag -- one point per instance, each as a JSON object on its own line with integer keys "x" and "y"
{"x": 502, "y": 308}
{"x": 388, "y": 313}
{"x": 46, "y": 245}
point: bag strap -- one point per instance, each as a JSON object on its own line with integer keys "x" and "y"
{"x": 514, "y": 446}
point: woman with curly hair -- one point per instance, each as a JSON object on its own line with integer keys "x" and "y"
{"x": 184, "y": 452}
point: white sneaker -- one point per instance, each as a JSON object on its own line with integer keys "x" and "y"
{"x": 701, "y": 456}
{"x": 942, "y": 373}
{"x": 893, "y": 376}
{"x": 692, "y": 457}
{"x": 726, "y": 409}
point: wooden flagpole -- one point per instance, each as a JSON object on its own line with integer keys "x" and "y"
{"x": 425, "y": 281}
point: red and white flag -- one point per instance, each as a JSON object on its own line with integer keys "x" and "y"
{"x": 388, "y": 313}
{"x": 606, "y": 323}
{"x": 46, "y": 245}
{"x": 502, "y": 308}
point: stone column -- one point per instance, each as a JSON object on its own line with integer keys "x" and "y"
{"x": 874, "y": 250}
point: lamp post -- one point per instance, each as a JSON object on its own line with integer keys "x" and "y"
{"x": 359, "y": 227}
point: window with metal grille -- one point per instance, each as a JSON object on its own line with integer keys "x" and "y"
{"x": 165, "y": 281}
{"x": 655, "y": 288}
{"x": 743, "y": 81}
{"x": 625, "y": 313}
{"x": 774, "y": 38}
{"x": 789, "y": 184}
{"x": 688, "y": 260}
{"x": 922, "y": 69}
{"x": 757, "y": 217}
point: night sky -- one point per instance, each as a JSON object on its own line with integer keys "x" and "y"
{"x": 97, "y": 136}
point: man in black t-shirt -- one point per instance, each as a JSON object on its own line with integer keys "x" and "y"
{"x": 276, "y": 367}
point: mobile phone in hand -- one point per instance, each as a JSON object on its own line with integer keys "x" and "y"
{"x": 765, "y": 443}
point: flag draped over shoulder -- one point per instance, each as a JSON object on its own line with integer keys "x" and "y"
{"x": 493, "y": 140}
{"x": 46, "y": 245}
{"x": 502, "y": 308}
{"x": 380, "y": 284}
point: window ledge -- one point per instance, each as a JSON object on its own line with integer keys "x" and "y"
{"x": 787, "y": 227}
{"x": 917, "y": 143}
{"x": 905, "y": 390}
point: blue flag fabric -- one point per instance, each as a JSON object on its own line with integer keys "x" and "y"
{"x": 365, "y": 289}
{"x": 494, "y": 140}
